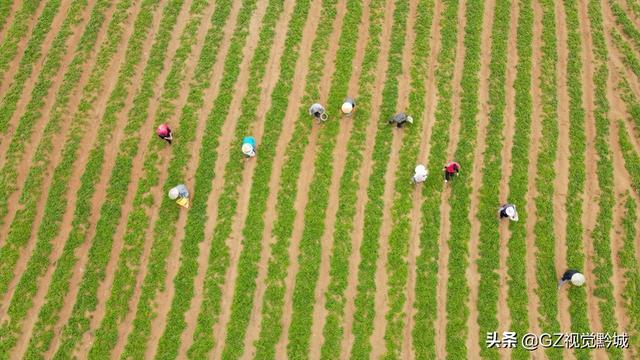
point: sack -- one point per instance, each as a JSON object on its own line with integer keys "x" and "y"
{"x": 184, "y": 202}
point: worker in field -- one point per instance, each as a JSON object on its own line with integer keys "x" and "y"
{"x": 508, "y": 211}
{"x": 348, "y": 106}
{"x": 317, "y": 111}
{"x": 249, "y": 147}
{"x": 420, "y": 174}
{"x": 164, "y": 132}
{"x": 576, "y": 278}
{"x": 451, "y": 169}
{"x": 180, "y": 194}
{"x": 400, "y": 119}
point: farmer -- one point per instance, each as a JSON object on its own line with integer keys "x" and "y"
{"x": 574, "y": 276}
{"x": 400, "y": 119}
{"x": 348, "y": 106}
{"x": 508, "y": 211}
{"x": 451, "y": 168}
{"x": 164, "y": 132}
{"x": 180, "y": 193}
{"x": 317, "y": 111}
{"x": 249, "y": 147}
{"x": 420, "y": 174}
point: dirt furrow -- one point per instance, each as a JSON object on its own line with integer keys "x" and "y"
{"x": 304, "y": 183}
{"x": 164, "y": 299}
{"x": 24, "y": 169}
{"x": 100, "y": 189}
{"x": 253, "y": 330}
{"x": 38, "y": 128}
{"x": 592, "y": 190}
{"x": 443, "y": 257}
{"x": 367, "y": 165}
{"x": 503, "y": 315}
{"x": 561, "y": 182}
{"x": 228, "y": 136}
{"x": 473, "y": 276}
{"x": 320, "y": 312}
{"x": 532, "y": 193}
{"x": 58, "y": 244}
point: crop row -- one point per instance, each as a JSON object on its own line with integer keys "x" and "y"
{"x": 489, "y": 191}
{"x": 601, "y": 234}
{"x": 15, "y": 33}
{"x": 22, "y": 225}
{"x": 5, "y": 9}
{"x": 628, "y": 27}
{"x": 138, "y": 222}
{"x": 273, "y": 302}
{"x": 164, "y": 231}
{"x": 32, "y": 53}
{"x": 518, "y": 182}
{"x": 427, "y": 261}
{"x": 56, "y": 201}
{"x": 400, "y": 235}
{"x": 460, "y": 200}
{"x": 252, "y": 232}
{"x": 197, "y": 215}
{"x": 316, "y": 209}
{"x": 628, "y": 261}
{"x": 27, "y": 286}
{"x": 365, "y": 309}
{"x": 631, "y": 157}
{"x": 630, "y": 99}
{"x": 546, "y": 173}
{"x": 577, "y": 145}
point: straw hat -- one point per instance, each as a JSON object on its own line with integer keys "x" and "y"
{"x": 577, "y": 279}
{"x": 247, "y": 148}
{"x": 510, "y": 211}
{"x": 174, "y": 193}
{"x": 347, "y": 108}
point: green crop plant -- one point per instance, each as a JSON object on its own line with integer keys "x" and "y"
{"x": 518, "y": 182}
{"x": 577, "y": 145}
{"x": 164, "y": 231}
{"x": 489, "y": 191}
{"x": 273, "y": 302}
{"x": 197, "y": 217}
{"x": 316, "y": 209}
{"x": 39, "y": 261}
{"x": 138, "y": 221}
{"x": 363, "y": 317}
{"x": 400, "y": 235}
{"x": 629, "y": 264}
{"x": 631, "y": 157}
{"x": 22, "y": 225}
{"x": 343, "y": 228}
{"x": 427, "y": 261}
{"x": 546, "y": 172}
{"x": 601, "y": 234}
{"x": 15, "y": 33}
{"x": 628, "y": 27}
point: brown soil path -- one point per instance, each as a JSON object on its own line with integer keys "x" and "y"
{"x": 164, "y": 299}
{"x": 532, "y": 192}
{"x": 28, "y": 157}
{"x": 304, "y": 182}
{"x": 561, "y": 182}
{"x": 346, "y": 124}
{"x": 100, "y": 189}
{"x": 445, "y": 224}
{"x": 381, "y": 304}
{"x": 503, "y": 315}
{"x": 473, "y": 276}
{"x": 416, "y": 215}
{"x": 367, "y": 164}
{"x": 104, "y": 290}
{"x": 58, "y": 244}
{"x": 38, "y": 128}
{"x": 592, "y": 191}
{"x": 157, "y": 192}
{"x": 6, "y": 78}
{"x": 300, "y": 74}
{"x": 225, "y": 142}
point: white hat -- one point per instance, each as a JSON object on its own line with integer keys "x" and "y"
{"x": 347, "y": 108}
{"x": 410, "y": 119}
{"x": 577, "y": 279}
{"x": 247, "y": 148}
{"x": 420, "y": 169}
{"x": 174, "y": 193}
{"x": 510, "y": 211}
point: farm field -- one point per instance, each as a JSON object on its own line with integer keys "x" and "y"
{"x": 320, "y": 246}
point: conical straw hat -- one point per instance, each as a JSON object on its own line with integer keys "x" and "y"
{"x": 247, "y": 148}
{"x": 173, "y": 193}
{"x": 347, "y": 108}
{"x": 577, "y": 279}
{"x": 510, "y": 211}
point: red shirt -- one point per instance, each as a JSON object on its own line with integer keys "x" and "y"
{"x": 452, "y": 167}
